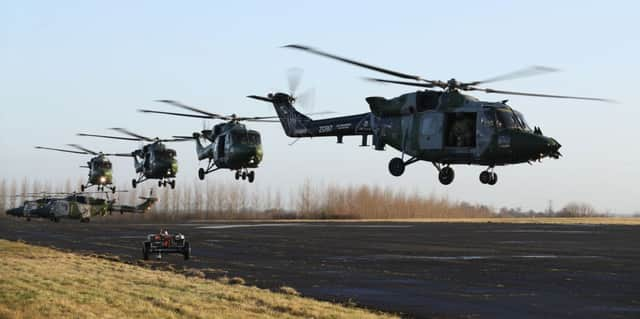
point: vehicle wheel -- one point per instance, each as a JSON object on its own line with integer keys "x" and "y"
{"x": 446, "y": 175}
{"x": 396, "y": 166}
{"x": 28, "y": 218}
{"x": 237, "y": 175}
{"x": 251, "y": 176}
{"x": 134, "y": 183}
{"x": 186, "y": 251}
{"x": 173, "y": 184}
{"x": 494, "y": 179}
{"x": 485, "y": 177}
{"x": 145, "y": 252}
{"x": 244, "y": 175}
{"x": 56, "y": 219}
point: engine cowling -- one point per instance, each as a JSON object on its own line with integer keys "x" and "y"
{"x": 402, "y": 105}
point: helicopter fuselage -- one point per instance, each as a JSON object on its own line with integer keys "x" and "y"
{"x": 444, "y": 128}
{"x": 232, "y": 146}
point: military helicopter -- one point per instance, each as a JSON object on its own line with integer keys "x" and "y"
{"x": 38, "y": 200}
{"x": 231, "y": 145}
{"x": 141, "y": 208}
{"x": 444, "y": 127}
{"x": 151, "y": 161}
{"x": 100, "y": 168}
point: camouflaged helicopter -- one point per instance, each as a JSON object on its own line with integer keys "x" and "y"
{"x": 231, "y": 145}
{"x": 141, "y": 208}
{"x": 82, "y": 206}
{"x": 100, "y": 168}
{"x": 151, "y": 161}
{"x": 38, "y": 200}
{"x": 444, "y": 127}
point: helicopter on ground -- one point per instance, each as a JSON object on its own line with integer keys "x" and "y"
{"x": 100, "y": 168}
{"x": 444, "y": 127}
{"x": 151, "y": 161}
{"x": 82, "y": 206}
{"x": 29, "y": 205}
{"x": 231, "y": 145}
{"x": 144, "y": 207}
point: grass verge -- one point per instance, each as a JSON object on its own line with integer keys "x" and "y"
{"x": 39, "y": 282}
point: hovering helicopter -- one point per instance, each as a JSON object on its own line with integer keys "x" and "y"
{"x": 444, "y": 127}
{"x": 100, "y": 168}
{"x": 151, "y": 161}
{"x": 231, "y": 145}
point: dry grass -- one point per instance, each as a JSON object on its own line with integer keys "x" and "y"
{"x": 38, "y": 282}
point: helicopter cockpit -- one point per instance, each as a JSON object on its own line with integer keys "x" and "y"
{"x": 510, "y": 119}
{"x": 246, "y": 137}
{"x": 102, "y": 165}
{"x": 166, "y": 153}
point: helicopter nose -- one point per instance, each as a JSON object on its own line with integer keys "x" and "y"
{"x": 552, "y": 148}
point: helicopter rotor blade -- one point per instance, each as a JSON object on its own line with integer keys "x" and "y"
{"x": 60, "y": 150}
{"x": 111, "y": 137}
{"x": 193, "y": 109}
{"x": 419, "y": 84}
{"x": 175, "y": 114}
{"x": 540, "y": 95}
{"x": 356, "y": 63}
{"x": 307, "y": 100}
{"x": 526, "y": 72}
{"x": 177, "y": 139}
{"x": 127, "y": 132}
{"x": 294, "y": 77}
{"x": 119, "y": 154}
{"x": 83, "y": 149}
{"x": 255, "y": 118}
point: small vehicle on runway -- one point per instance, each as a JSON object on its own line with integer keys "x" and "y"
{"x": 164, "y": 243}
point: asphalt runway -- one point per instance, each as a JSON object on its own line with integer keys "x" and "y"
{"x": 424, "y": 270}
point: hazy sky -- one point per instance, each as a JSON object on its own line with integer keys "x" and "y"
{"x": 67, "y": 67}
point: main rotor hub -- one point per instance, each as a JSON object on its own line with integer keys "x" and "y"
{"x": 453, "y": 84}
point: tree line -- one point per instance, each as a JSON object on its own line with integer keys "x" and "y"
{"x": 211, "y": 199}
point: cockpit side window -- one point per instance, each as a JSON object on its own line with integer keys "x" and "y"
{"x": 506, "y": 119}
{"x": 254, "y": 138}
{"x": 523, "y": 122}
{"x": 488, "y": 119}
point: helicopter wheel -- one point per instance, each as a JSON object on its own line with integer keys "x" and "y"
{"x": 494, "y": 179}
{"x": 82, "y": 188}
{"x": 251, "y": 176}
{"x": 396, "y": 166}
{"x": 173, "y": 184}
{"x": 446, "y": 175}
{"x": 201, "y": 173}
{"x": 113, "y": 190}
{"x": 485, "y": 177}
{"x": 244, "y": 175}
{"x": 134, "y": 183}
{"x": 160, "y": 184}
{"x": 237, "y": 175}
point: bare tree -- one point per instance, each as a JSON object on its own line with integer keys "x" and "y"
{"x": 3, "y": 195}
